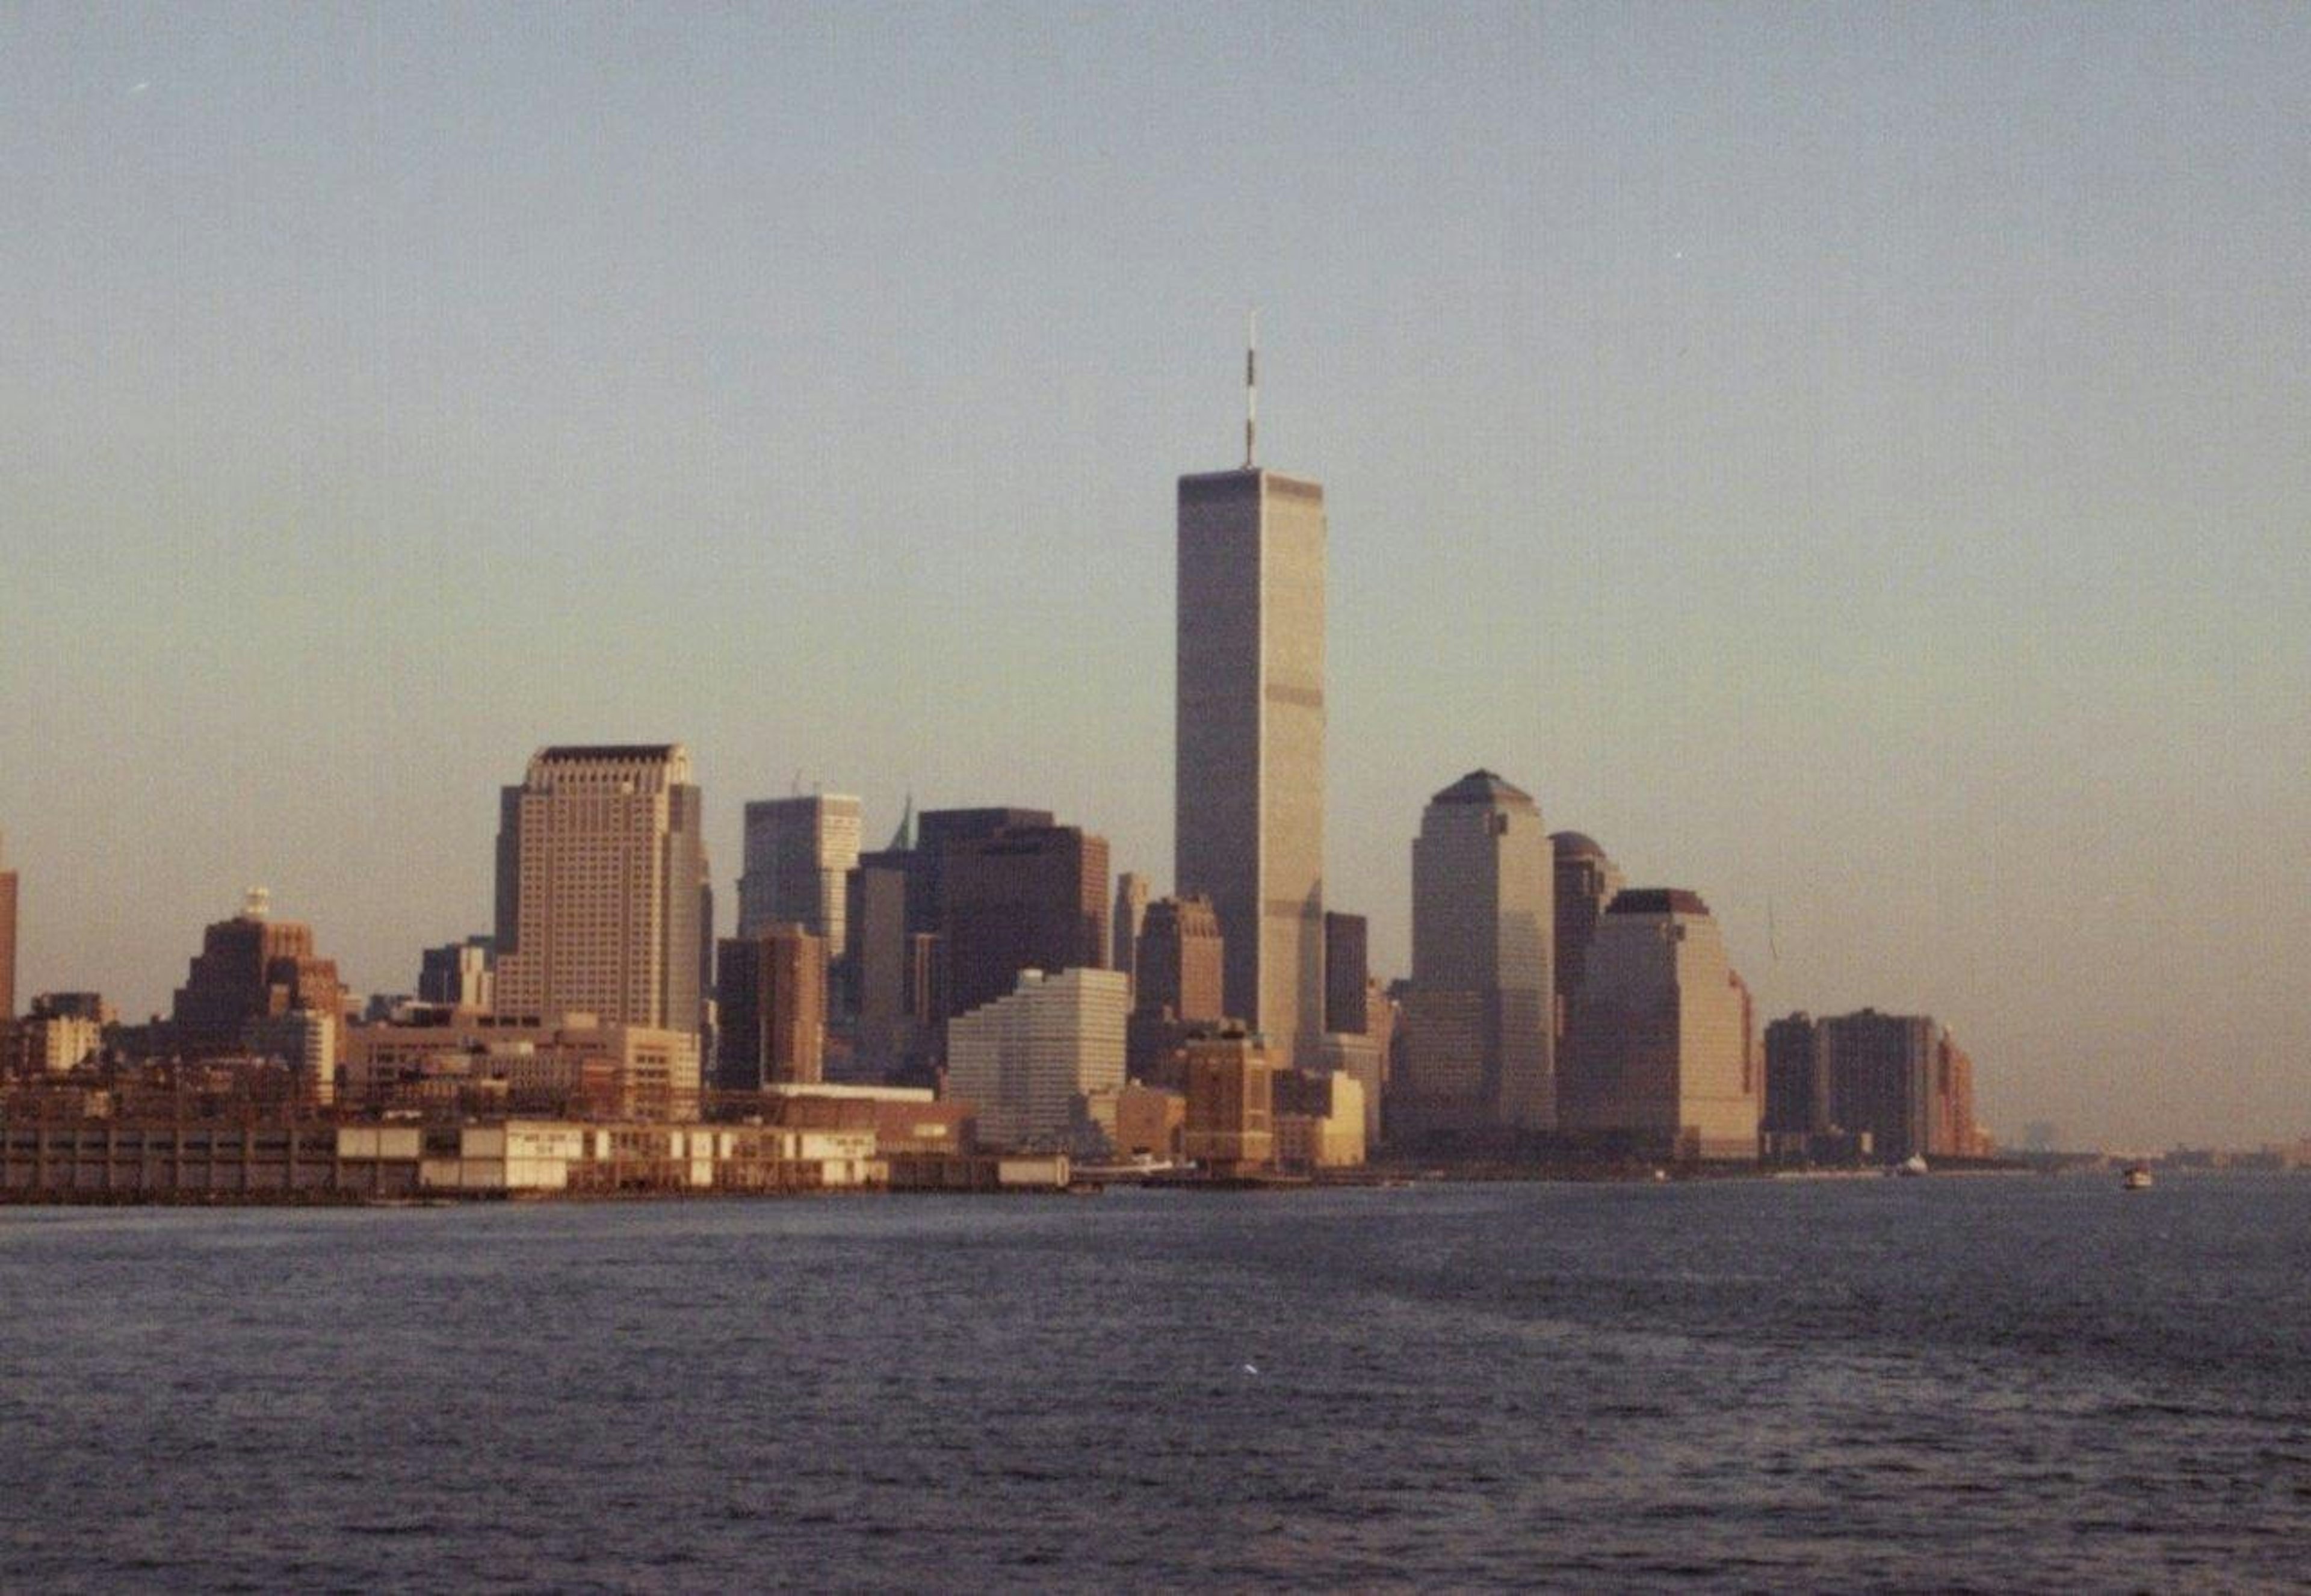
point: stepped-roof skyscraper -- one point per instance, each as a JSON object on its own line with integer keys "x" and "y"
{"x": 1249, "y": 774}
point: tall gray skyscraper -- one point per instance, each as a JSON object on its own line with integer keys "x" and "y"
{"x": 1482, "y": 1043}
{"x": 608, "y": 896}
{"x": 799, "y": 851}
{"x": 1249, "y": 772}
{"x": 8, "y": 941}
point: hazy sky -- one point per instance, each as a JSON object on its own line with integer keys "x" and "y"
{"x": 1851, "y": 461}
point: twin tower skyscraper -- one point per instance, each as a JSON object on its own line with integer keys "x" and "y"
{"x": 1248, "y": 812}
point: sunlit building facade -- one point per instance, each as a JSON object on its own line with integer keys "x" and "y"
{"x": 1249, "y": 771}
{"x": 1030, "y": 1061}
{"x": 799, "y": 852}
{"x": 603, "y": 875}
{"x": 1658, "y": 1060}
{"x": 1481, "y": 1046}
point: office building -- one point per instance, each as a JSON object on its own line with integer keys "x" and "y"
{"x": 1481, "y": 1049}
{"x": 77, "y": 1006}
{"x": 894, "y": 896}
{"x": 874, "y": 923}
{"x": 51, "y": 1043}
{"x": 7, "y": 936}
{"x": 1658, "y": 1063}
{"x": 304, "y": 1041}
{"x": 1384, "y": 1017}
{"x": 1753, "y": 1052}
{"x": 1230, "y": 1128}
{"x": 1346, "y": 975}
{"x": 1319, "y": 1120}
{"x": 1248, "y": 764}
{"x": 251, "y": 967}
{"x": 1867, "y": 1087}
{"x": 1131, "y": 908}
{"x": 1955, "y": 1132}
{"x": 461, "y": 975}
{"x": 799, "y": 852}
{"x": 603, "y": 889}
{"x": 1029, "y": 1061}
{"x": 1149, "y": 1122}
{"x": 491, "y": 1063}
{"x": 771, "y": 997}
{"x": 1796, "y": 1112}
{"x": 938, "y": 834}
{"x": 1881, "y": 1072}
{"x": 1181, "y": 963}
{"x": 1176, "y": 990}
{"x": 1586, "y": 881}
{"x": 1364, "y": 1059}
{"x": 1023, "y": 898}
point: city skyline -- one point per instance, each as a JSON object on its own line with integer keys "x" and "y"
{"x": 1875, "y": 507}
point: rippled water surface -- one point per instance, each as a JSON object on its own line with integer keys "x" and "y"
{"x": 1943, "y": 1383}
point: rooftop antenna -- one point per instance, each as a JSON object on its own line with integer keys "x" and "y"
{"x": 1250, "y": 383}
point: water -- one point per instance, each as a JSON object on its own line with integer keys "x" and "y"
{"x": 1942, "y": 1384}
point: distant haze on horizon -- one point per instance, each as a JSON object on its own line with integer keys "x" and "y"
{"x": 1850, "y": 461}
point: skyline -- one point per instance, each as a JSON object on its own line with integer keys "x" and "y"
{"x": 1853, "y": 477}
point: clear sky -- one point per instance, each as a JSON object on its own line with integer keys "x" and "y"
{"x": 1851, "y": 461}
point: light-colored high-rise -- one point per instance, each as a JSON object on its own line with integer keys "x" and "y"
{"x": 1482, "y": 1044}
{"x": 1659, "y": 1058}
{"x": 1027, "y": 1062}
{"x": 1249, "y": 795}
{"x": 799, "y": 852}
{"x": 607, "y": 897}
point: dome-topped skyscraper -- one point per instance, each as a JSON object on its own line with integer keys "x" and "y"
{"x": 1480, "y": 1047}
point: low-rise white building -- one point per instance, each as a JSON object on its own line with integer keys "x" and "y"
{"x": 1027, "y": 1060}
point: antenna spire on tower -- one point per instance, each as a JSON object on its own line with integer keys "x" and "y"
{"x": 1250, "y": 385}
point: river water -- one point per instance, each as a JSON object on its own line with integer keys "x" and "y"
{"x": 1947, "y": 1384}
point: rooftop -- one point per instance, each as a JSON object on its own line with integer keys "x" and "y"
{"x": 1482, "y": 787}
{"x": 1657, "y": 900}
{"x": 571, "y": 753}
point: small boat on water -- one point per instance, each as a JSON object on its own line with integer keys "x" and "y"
{"x": 2137, "y": 1178}
{"x": 1913, "y": 1166}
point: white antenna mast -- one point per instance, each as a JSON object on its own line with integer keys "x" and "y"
{"x": 1250, "y": 384}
